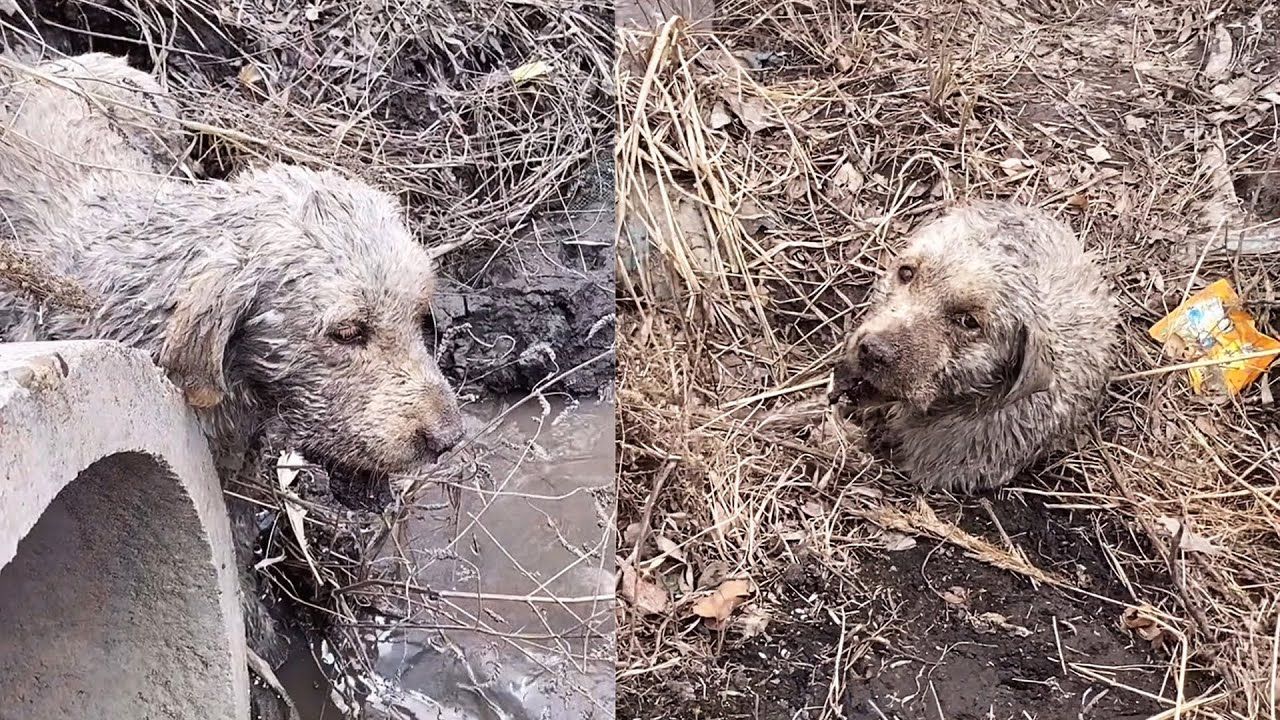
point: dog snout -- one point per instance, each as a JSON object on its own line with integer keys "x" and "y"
{"x": 444, "y": 431}
{"x": 875, "y": 352}
{"x": 443, "y": 440}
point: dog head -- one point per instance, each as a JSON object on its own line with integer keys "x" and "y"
{"x": 322, "y": 312}
{"x": 955, "y": 319}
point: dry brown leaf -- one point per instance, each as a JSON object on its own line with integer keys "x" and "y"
{"x": 956, "y": 595}
{"x": 669, "y": 547}
{"x": 848, "y": 179}
{"x": 645, "y": 595}
{"x": 897, "y": 542}
{"x": 720, "y": 604}
{"x": 1218, "y": 67}
{"x": 1016, "y": 165}
{"x": 1236, "y": 92}
{"x": 755, "y": 114}
{"x": 1097, "y": 153}
{"x": 1135, "y": 123}
{"x": 1188, "y": 540}
{"x": 1146, "y": 627}
{"x": 631, "y": 534}
{"x": 719, "y": 116}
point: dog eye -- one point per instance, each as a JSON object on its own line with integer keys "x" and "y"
{"x": 350, "y": 335}
{"x": 967, "y": 321}
{"x": 906, "y": 273}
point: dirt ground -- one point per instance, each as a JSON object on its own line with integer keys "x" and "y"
{"x": 905, "y": 633}
{"x": 795, "y": 144}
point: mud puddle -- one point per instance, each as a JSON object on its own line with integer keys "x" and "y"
{"x": 516, "y": 545}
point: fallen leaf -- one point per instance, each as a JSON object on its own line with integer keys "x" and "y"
{"x": 530, "y": 71}
{"x": 312, "y": 13}
{"x": 1236, "y": 92}
{"x": 755, "y": 114}
{"x": 897, "y": 542}
{"x": 631, "y": 534}
{"x": 719, "y": 116}
{"x": 1135, "y": 123}
{"x": 1097, "y": 153}
{"x": 669, "y": 547}
{"x": 720, "y": 604}
{"x": 812, "y": 508}
{"x": 1146, "y": 627}
{"x": 644, "y": 595}
{"x": 1218, "y": 67}
{"x": 956, "y": 595}
{"x": 1017, "y": 164}
{"x": 1189, "y": 540}
{"x": 848, "y": 179}
{"x": 286, "y": 473}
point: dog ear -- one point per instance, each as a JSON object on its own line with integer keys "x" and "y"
{"x": 206, "y": 315}
{"x": 1032, "y": 367}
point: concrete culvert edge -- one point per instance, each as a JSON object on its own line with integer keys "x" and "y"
{"x": 117, "y": 581}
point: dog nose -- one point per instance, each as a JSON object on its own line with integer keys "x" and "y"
{"x": 445, "y": 430}
{"x": 874, "y": 352}
{"x": 442, "y": 438}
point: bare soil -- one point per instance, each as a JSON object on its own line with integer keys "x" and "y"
{"x": 901, "y": 635}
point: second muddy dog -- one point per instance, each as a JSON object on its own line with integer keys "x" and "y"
{"x": 987, "y": 343}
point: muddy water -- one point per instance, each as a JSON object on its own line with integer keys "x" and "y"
{"x": 516, "y": 543}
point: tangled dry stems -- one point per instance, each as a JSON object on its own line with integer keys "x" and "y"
{"x": 765, "y": 169}
{"x": 414, "y": 97}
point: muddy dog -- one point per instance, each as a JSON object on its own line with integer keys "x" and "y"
{"x": 285, "y": 294}
{"x": 987, "y": 342}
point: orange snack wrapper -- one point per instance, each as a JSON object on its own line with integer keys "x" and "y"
{"x": 1213, "y": 325}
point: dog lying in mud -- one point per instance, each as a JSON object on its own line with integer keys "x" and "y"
{"x": 285, "y": 294}
{"x": 987, "y": 342}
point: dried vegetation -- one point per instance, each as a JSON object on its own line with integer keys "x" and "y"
{"x": 767, "y": 165}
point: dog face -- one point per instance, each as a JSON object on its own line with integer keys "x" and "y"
{"x": 953, "y": 321}
{"x": 332, "y": 329}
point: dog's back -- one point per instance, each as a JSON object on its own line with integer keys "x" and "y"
{"x": 74, "y": 129}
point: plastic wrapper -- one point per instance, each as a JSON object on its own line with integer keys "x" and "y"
{"x": 1214, "y": 325}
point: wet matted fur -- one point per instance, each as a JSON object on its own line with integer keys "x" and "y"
{"x": 987, "y": 343}
{"x": 285, "y": 294}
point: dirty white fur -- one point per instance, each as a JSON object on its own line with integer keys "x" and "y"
{"x": 239, "y": 289}
{"x": 971, "y": 402}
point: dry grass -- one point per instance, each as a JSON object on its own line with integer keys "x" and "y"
{"x": 414, "y": 97}
{"x": 764, "y": 171}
